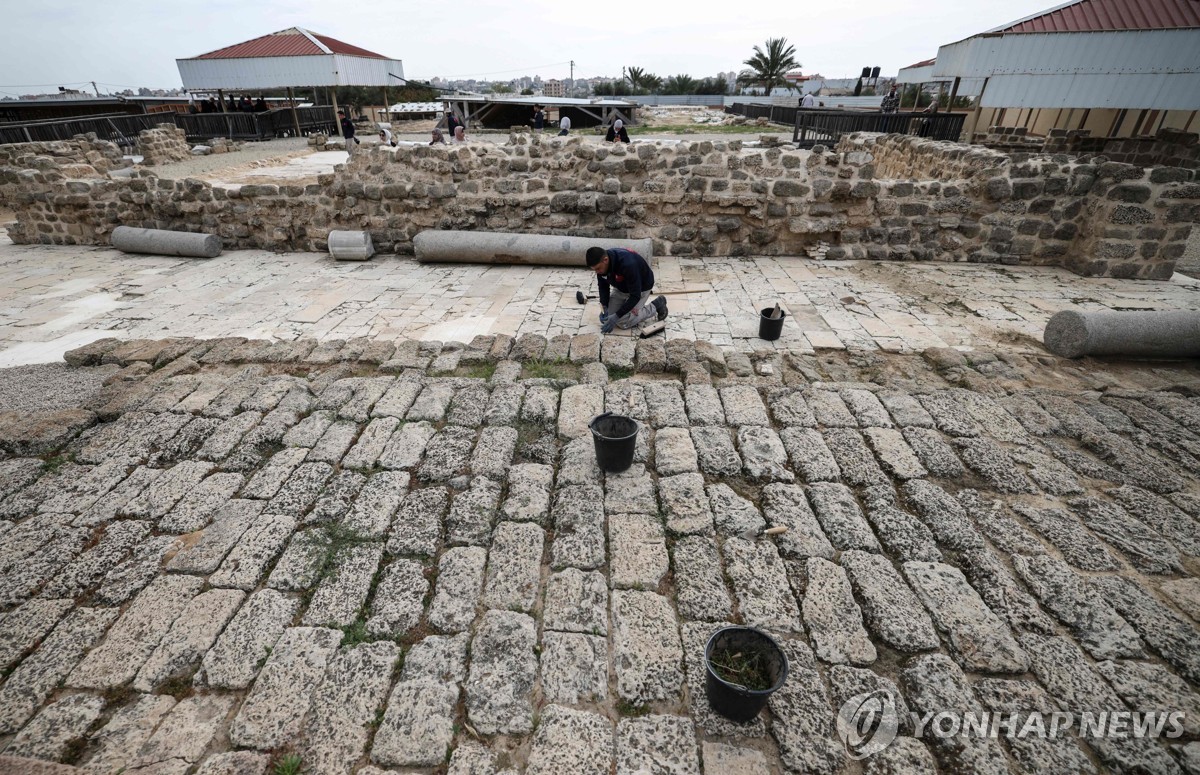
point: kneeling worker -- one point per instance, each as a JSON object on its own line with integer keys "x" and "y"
{"x": 625, "y": 281}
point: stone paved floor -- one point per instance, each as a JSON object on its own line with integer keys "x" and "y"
{"x": 404, "y": 558}
{"x": 56, "y": 298}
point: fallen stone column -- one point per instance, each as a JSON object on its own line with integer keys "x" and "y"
{"x": 351, "y": 245}
{"x": 1175, "y": 334}
{"x": 129, "y": 239}
{"x": 485, "y": 247}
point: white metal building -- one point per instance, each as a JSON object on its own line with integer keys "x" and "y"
{"x": 1119, "y": 68}
{"x": 291, "y": 57}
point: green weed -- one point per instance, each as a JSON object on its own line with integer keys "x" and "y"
{"x": 539, "y": 369}
{"x": 479, "y": 370}
{"x": 290, "y": 764}
{"x": 627, "y": 709}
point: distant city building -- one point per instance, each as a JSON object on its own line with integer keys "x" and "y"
{"x": 553, "y": 88}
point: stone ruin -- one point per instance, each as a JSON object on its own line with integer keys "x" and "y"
{"x": 1168, "y": 148}
{"x": 878, "y": 197}
{"x": 164, "y": 144}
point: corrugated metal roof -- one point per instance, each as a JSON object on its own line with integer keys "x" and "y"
{"x": 338, "y": 47}
{"x": 922, "y": 63}
{"x": 1155, "y": 69}
{"x": 1110, "y": 15}
{"x": 292, "y": 42}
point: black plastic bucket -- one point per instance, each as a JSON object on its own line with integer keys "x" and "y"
{"x": 734, "y": 701}
{"x": 615, "y": 437}
{"x": 769, "y": 328}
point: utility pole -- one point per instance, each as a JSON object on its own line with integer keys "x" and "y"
{"x": 572, "y": 72}
{"x": 622, "y": 76}
{"x": 95, "y": 89}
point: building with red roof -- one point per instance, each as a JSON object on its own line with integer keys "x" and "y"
{"x": 291, "y": 57}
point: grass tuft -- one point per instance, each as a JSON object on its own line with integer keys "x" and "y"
{"x": 539, "y": 369}
{"x": 627, "y": 709}
{"x": 291, "y": 764}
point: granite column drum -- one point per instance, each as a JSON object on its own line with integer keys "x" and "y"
{"x": 351, "y": 245}
{"x": 483, "y": 247}
{"x": 159, "y": 242}
{"x": 1173, "y": 334}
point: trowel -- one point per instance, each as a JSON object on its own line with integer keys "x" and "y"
{"x": 760, "y": 532}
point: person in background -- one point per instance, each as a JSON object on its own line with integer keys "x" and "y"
{"x": 539, "y": 118}
{"x": 438, "y": 137}
{"x": 246, "y": 106}
{"x": 385, "y": 137}
{"x": 564, "y": 126}
{"x": 452, "y": 123}
{"x": 625, "y": 282}
{"x": 233, "y": 103}
{"x": 260, "y": 105}
{"x": 617, "y": 133}
{"x": 891, "y": 101}
{"x": 211, "y": 106}
{"x": 460, "y": 134}
{"x": 348, "y": 132}
{"x": 807, "y": 101}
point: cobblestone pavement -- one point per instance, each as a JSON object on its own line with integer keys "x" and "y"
{"x": 401, "y": 556}
{"x": 56, "y": 298}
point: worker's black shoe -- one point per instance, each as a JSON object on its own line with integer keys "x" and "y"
{"x": 660, "y": 304}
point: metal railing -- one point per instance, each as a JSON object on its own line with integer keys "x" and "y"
{"x": 120, "y": 128}
{"x": 814, "y": 126}
{"x": 123, "y": 129}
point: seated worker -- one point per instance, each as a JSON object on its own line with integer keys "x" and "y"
{"x": 460, "y": 134}
{"x": 625, "y": 281}
{"x": 437, "y": 137}
{"x": 617, "y": 133}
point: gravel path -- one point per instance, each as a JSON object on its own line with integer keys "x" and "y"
{"x": 249, "y": 152}
{"x": 49, "y": 386}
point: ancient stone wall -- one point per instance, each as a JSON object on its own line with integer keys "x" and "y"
{"x": 1095, "y": 217}
{"x": 163, "y": 144}
{"x": 876, "y": 197}
{"x": 61, "y": 155}
{"x": 1169, "y": 148}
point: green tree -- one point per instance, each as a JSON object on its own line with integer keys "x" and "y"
{"x": 501, "y": 88}
{"x": 526, "y": 92}
{"x": 607, "y": 89}
{"x": 712, "y": 86}
{"x": 771, "y": 65}
{"x": 643, "y": 82}
{"x": 681, "y": 84}
{"x": 637, "y": 77}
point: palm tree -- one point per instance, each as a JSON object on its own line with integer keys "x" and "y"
{"x": 681, "y": 84}
{"x": 637, "y": 78}
{"x": 770, "y": 66}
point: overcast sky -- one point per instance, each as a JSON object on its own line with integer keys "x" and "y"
{"x": 131, "y": 43}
